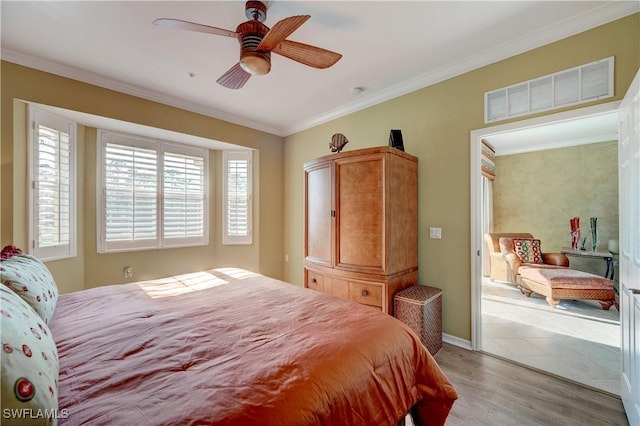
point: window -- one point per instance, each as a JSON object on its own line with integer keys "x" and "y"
{"x": 586, "y": 83}
{"x": 236, "y": 197}
{"x": 153, "y": 194}
{"x": 52, "y": 188}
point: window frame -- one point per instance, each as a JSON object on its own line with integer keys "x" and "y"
{"x": 36, "y": 117}
{"x": 160, "y": 147}
{"x": 227, "y": 156}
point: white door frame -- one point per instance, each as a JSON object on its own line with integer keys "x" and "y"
{"x": 477, "y": 242}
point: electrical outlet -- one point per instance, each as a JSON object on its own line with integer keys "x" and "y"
{"x": 435, "y": 233}
{"x": 128, "y": 271}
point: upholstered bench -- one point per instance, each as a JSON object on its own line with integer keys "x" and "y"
{"x": 566, "y": 283}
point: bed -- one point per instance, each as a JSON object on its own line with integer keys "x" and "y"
{"x": 232, "y": 347}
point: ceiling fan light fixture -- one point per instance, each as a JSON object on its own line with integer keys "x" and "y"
{"x": 255, "y": 63}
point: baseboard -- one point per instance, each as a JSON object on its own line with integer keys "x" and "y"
{"x": 456, "y": 341}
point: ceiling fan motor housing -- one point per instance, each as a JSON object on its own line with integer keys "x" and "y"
{"x": 255, "y": 10}
{"x": 251, "y": 60}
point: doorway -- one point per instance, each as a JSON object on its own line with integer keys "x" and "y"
{"x": 505, "y": 323}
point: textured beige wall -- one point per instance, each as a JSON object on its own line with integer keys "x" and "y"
{"x": 538, "y": 192}
{"x": 91, "y": 269}
{"x": 436, "y": 123}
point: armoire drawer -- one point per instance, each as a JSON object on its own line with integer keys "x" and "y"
{"x": 367, "y": 294}
{"x": 315, "y": 281}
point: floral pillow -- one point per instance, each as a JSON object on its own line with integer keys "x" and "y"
{"x": 528, "y": 250}
{"x": 29, "y": 363}
{"x": 30, "y": 279}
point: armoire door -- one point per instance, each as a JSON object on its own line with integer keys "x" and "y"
{"x": 318, "y": 213}
{"x": 360, "y": 213}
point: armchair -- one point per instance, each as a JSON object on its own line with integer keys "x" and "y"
{"x": 504, "y": 262}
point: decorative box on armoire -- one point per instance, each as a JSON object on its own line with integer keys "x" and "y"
{"x": 361, "y": 225}
{"x": 420, "y": 307}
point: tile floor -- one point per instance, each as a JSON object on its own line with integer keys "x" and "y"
{"x": 578, "y": 340}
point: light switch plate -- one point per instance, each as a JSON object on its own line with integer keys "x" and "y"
{"x": 435, "y": 233}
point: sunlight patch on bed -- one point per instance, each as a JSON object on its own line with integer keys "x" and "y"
{"x": 239, "y": 274}
{"x": 175, "y": 286}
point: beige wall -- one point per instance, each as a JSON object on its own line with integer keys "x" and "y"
{"x": 538, "y": 192}
{"x": 436, "y": 123}
{"x": 89, "y": 268}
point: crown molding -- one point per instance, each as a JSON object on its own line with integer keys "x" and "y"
{"x": 580, "y": 23}
{"x": 99, "y": 80}
{"x": 606, "y": 13}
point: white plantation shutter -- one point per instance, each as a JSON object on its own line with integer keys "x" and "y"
{"x": 153, "y": 194}
{"x": 52, "y": 226}
{"x": 53, "y": 187}
{"x": 131, "y": 187}
{"x": 237, "y": 197}
{"x": 184, "y": 201}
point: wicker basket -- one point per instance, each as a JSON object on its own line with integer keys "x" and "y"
{"x": 420, "y": 307}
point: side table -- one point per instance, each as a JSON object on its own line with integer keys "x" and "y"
{"x": 420, "y": 307}
{"x": 607, "y": 256}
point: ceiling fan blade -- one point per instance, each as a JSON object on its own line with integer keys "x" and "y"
{"x": 280, "y": 31}
{"x": 192, "y": 26}
{"x": 234, "y": 78}
{"x": 312, "y": 56}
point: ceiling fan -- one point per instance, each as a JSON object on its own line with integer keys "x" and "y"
{"x": 257, "y": 42}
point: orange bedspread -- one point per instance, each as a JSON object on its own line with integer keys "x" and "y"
{"x": 230, "y": 347}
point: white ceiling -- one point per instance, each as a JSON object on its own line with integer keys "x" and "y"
{"x": 389, "y": 48}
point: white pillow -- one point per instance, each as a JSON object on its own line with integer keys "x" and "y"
{"x": 30, "y": 279}
{"x": 29, "y": 364}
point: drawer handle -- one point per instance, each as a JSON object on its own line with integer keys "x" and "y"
{"x": 313, "y": 280}
{"x": 364, "y": 293}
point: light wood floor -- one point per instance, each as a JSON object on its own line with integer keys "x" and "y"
{"x": 495, "y": 392}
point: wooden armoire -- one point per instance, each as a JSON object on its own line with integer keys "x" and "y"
{"x": 361, "y": 225}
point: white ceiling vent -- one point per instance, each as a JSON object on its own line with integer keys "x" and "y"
{"x": 585, "y": 83}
